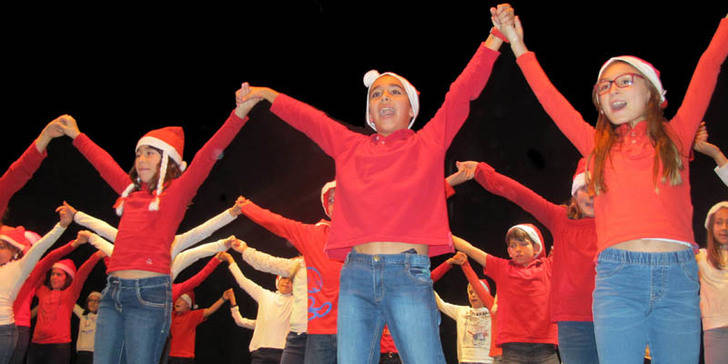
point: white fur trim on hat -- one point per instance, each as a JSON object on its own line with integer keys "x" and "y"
{"x": 713, "y": 210}
{"x": 62, "y": 265}
{"x": 579, "y": 182}
{"x": 414, "y": 99}
{"x": 532, "y": 233}
{"x": 165, "y": 147}
{"x": 324, "y": 191}
{"x": 645, "y": 68}
{"x": 186, "y": 297}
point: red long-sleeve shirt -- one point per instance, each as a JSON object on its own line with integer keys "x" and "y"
{"x": 390, "y": 188}
{"x": 18, "y": 174}
{"x": 179, "y": 289}
{"x": 635, "y": 206}
{"x": 575, "y": 244}
{"x": 56, "y": 306}
{"x": 144, "y": 237}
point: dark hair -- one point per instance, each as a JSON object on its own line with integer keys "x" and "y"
{"x": 17, "y": 252}
{"x": 173, "y": 171}
{"x": 69, "y": 279}
{"x": 519, "y": 235}
{"x": 573, "y": 212}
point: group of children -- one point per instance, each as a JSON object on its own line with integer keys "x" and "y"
{"x": 622, "y": 274}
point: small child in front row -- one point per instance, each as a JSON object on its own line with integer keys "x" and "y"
{"x": 525, "y": 331}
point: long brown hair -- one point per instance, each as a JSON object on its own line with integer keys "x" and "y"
{"x": 713, "y": 248}
{"x": 573, "y": 212}
{"x": 667, "y": 154}
{"x": 173, "y": 171}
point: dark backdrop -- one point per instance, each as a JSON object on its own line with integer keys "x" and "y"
{"x": 122, "y": 70}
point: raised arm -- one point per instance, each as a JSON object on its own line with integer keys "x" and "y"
{"x": 255, "y": 291}
{"x": 467, "y": 248}
{"x": 99, "y": 243}
{"x": 291, "y": 230}
{"x": 78, "y": 310}
{"x": 445, "y": 267}
{"x": 179, "y": 288}
{"x": 202, "y": 232}
{"x": 474, "y": 281}
{"x": 37, "y": 275}
{"x": 267, "y": 263}
{"x": 447, "y": 308}
{"x": 240, "y": 320}
{"x": 189, "y": 256}
{"x": 99, "y": 226}
{"x": 215, "y": 306}
{"x": 83, "y": 273}
{"x": 711, "y": 150}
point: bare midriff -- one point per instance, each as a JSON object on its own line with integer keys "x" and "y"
{"x": 136, "y": 274}
{"x": 390, "y": 247}
{"x": 650, "y": 246}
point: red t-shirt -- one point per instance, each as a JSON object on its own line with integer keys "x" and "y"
{"x": 182, "y": 333}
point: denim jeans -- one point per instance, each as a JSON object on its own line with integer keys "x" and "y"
{"x": 21, "y": 347}
{"x": 133, "y": 321}
{"x": 716, "y": 345}
{"x": 577, "y": 344}
{"x": 295, "y": 349}
{"x": 394, "y": 289}
{"x": 529, "y": 353}
{"x": 8, "y": 339}
{"x": 321, "y": 349}
{"x": 49, "y": 353}
{"x": 647, "y": 298}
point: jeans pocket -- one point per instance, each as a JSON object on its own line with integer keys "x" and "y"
{"x": 690, "y": 270}
{"x": 608, "y": 269}
{"x": 419, "y": 275}
{"x": 153, "y": 296}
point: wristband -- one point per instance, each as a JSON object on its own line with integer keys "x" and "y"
{"x": 498, "y": 34}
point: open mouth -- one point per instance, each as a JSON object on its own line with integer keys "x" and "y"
{"x": 386, "y": 112}
{"x": 618, "y": 105}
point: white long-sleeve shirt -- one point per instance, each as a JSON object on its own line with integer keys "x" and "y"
{"x": 296, "y": 268}
{"x": 14, "y": 273}
{"x": 86, "y": 329}
{"x": 274, "y": 313}
{"x": 713, "y": 293}
{"x": 722, "y": 172}
{"x": 240, "y": 320}
{"x": 473, "y": 331}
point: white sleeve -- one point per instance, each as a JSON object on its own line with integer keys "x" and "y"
{"x": 447, "y": 308}
{"x": 202, "y": 232}
{"x": 240, "y": 320}
{"x": 270, "y": 264}
{"x": 246, "y": 284}
{"x": 722, "y": 172}
{"x": 99, "y": 226}
{"x": 189, "y": 256}
{"x": 101, "y": 244}
{"x": 78, "y": 311}
{"x": 20, "y": 269}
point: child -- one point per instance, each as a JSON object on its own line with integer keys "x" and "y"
{"x": 51, "y": 341}
{"x": 574, "y": 233}
{"x": 525, "y": 331}
{"x": 185, "y": 319}
{"x": 86, "y": 328}
{"x": 713, "y": 269}
{"x": 17, "y": 258}
{"x": 711, "y": 150}
{"x": 154, "y": 198}
{"x": 646, "y": 287}
{"x": 272, "y": 321}
{"x": 390, "y": 209}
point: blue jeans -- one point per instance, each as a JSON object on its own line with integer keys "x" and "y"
{"x": 134, "y": 319}
{"x": 295, "y": 349}
{"x": 716, "y": 345}
{"x": 8, "y": 339}
{"x": 647, "y": 298}
{"x": 529, "y": 353}
{"x": 321, "y": 349}
{"x": 577, "y": 344}
{"x": 394, "y": 289}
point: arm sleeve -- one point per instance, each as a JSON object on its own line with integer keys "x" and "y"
{"x": 569, "y": 121}
{"x": 255, "y": 291}
{"x": 109, "y": 170}
{"x": 31, "y": 257}
{"x": 467, "y": 87}
{"x": 482, "y": 293}
{"x": 194, "y": 281}
{"x": 18, "y": 174}
{"x": 270, "y": 264}
{"x": 82, "y": 275}
{"x": 99, "y": 226}
{"x": 189, "y": 256}
{"x": 722, "y": 173}
{"x": 503, "y": 186}
{"x": 240, "y": 320}
{"x": 446, "y": 308}
{"x": 101, "y": 244}
{"x": 199, "y": 233}
{"x": 78, "y": 311}
{"x": 37, "y": 275}
{"x": 291, "y": 230}
{"x": 440, "y": 271}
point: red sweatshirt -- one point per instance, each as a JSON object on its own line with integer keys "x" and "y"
{"x": 21, "y": 306}
{"x": 144, "y": 237}
{"x": 56, "y": 306}
{"x": 183, "y": 331}
{"x": 575, "y": 244}
{"x": 322, "y": 272}
{"x": 390, "y": 188}
{"x": 634, "y": 206}
{"x": 18, "y": 174}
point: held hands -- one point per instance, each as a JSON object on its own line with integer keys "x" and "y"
{"x": 237, "y": 209}
{"x": 68, "y": 124}
{"x": 466, "y": 172}
{"x": 230, "y": 296}
{"x": 243, "y": 101}
{"x": 81, "y": 238}
{"x": 65, "y": 214}
{"x": 458, "y": 259}
{"x": 230, "y": 240}
{"x": 505, "y": 20}
{"x": 239, "y": 246}
{"x": 225, "y": 257}
{"x": 703, "y": 146}
{"x": 52, "y": 130}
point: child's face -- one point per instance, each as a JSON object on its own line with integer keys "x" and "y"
{"x": 521, "y": 251}
{"x": 389, "y": 106}
{"x": 285, "y": 286}
{"x": 585, "y": 201}
{"x": 147, "y": 163}
{"x": 7, "y": 252}
{"x": 628, "y": 104}
{"x": 330, "y": 202}
{"x": 58, "y": 278}
{"x": 181, "y": 306}
{"x": 93, "y": 304}
{"x": 473, "y": 298}
{"x": 720, "y": 227}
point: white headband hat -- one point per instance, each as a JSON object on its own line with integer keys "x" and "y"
{"x": 713, "y": 210}
{"x": 324, "y": 195}
{"x": 645, "y": 68}
{"x": 532, "y": 233}
{"x": 411, "y": 91}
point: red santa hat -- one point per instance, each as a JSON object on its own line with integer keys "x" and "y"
{"x": 67, "y": 266}
{"x": 326, "y": 191}
{"x": 18, "y": 237}
{"x": 171, "y": 141}
{"x": 645, "y": 68}
{"x": 534, "y": 234}
{"x": 189, "y": 297}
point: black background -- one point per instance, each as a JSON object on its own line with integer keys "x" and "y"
{"x": 123, "y": 69}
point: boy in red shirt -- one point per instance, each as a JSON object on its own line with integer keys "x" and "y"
{"x": 184, "y": 327}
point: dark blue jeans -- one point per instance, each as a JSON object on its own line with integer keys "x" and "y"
{"x": 295, "y": 349}
{"x": 21, "y": 347}
{"x": 321, "y": 349}
{"x": 529, "y": 353}
{"x": 133, "y": 322}
{"x": 8, "y": 339}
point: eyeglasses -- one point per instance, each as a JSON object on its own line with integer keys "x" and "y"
{"x": 621, "y": 81}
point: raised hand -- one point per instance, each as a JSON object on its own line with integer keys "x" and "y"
{"x": 225, "y": 257}
{"x": 82, "y": 237}
{"x": 69, "y": 126}
{"x": 239, "y": 246}
{"x": 237, "y": 208}
{"x": 244, "y": 101}
{"x": 65, "y": 214}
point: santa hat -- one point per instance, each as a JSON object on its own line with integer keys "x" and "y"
{"x": 412, "y": 94}
{"x": 534, "y": 234}
{"x": 326, "y": 190}
{"x": 580, "y": 176}
{"x": 645, "y": 68}
{"x": 18, "y": 237}
{"x": 189, "y": 297}
{"x": 171, "y": 141}
{"x": 713, "y": 210}
{"x": 67, "y": 266}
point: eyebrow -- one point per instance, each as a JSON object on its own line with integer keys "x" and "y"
{"x": 397, "y": 85}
